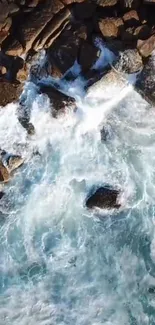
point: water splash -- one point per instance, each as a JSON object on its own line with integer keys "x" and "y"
{"x": 59, "y": 263}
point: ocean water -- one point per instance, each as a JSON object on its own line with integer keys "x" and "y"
{"x": 60, "y": 263}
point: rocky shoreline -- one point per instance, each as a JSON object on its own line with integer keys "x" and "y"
{"x": 68, "y": 32}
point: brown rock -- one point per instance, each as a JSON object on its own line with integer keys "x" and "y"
{"x": 131, "y": 18}
{"x": 146, "y": 47}
{"x": 4, "y": 174}
{"x": 106, "y": 3}
{"x": 111, "y": 27}
{"x": 88, "y": 55}
{"x": 9, "y": 92}
{"x": 52, "y": 30}
{"x": 13, "y": 47}
{"x": 34, "y": 25}
{"x": 61, "y": 102}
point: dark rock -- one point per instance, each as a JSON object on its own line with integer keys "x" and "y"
{"x": 142, "y": 32}
{"x": 131, "y": 18}
{"x": 129, "y": 61}
{"x": 151, "y": 290}
{"x": 146, "y": 47}
{"x": 146, "y": 81}
{"x": 9, "y": 92}
{"x": 104, "y": 198}
{"x": 88, "y": 54}
{"x": 64, "y": 50}
{"x": 23, "y": 114}
{"x": 84, "y": 10}
{"x": 111, "y": 27}
{"x": 1, "y": 194}
{"x": 60, "y": 102}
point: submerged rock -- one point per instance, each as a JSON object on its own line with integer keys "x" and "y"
{"x": 104, "y": 198}
{"x": 60, "y": 101}
{"x": 1, "y": 194}
{"x": 129, "y": 61}
{"x": 146, "y": 81}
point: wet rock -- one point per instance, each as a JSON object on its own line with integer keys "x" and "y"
{"x": 146, "y": 81}
{"x": 111, "y": 27}
{"x": 23, "y": 114}
{"x": 112, "y": 78}
{"x": 64, "y": 51}
{"x": 4, "y": 173}
{"x": 1, "y": 194}
{"x": 129, "y": 61}
{"x": 11, "y": 161}
{"x": 9, "y": 92}
{"x": 104, "y": 198}
{"x": 60, "y": 102}
{"x": 87, "y": 61}
{"x": 146, "y": 47}
{"x": 131, "y": 18}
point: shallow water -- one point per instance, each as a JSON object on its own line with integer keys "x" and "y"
{"x": 59, "y": 263}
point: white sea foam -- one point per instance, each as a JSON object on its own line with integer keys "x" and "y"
{"x": 59, "y": 263}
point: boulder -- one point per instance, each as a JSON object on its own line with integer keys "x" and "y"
{"x": 34, "y": 24}
{"x": 142, "y": 32}
{"x": 88, "y": 54}
{"x": 60, "y": 102}
{"x": 146, "y": 81}
{"x": 131, "y": 18}
{"x": 52, "y": 30}
{"x": 9, "y": 92}
{"x": 146, "y": 47}
{"x": 84, "y": 10}
{"x": 101, "y": 88}
{"x": 11, "y": 161}
{"x": 64, "y": 50}
{"x": 23, "y": 114}
{"x": 4, "y": 174}
{"x": 104, "y": 198}
{"x": 1, "y": 194}
{"x": 129, "y": 61}
{"x": 111, "y": 27}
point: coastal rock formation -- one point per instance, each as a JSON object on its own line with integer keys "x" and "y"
{"x": 4, "y": 174}
{"x": 60, "y": 102}
{"x": 146, "y": 81}
{"x": 104, "y": 198}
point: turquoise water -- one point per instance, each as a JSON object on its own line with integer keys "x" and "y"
{"x": 59, "y": 263}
